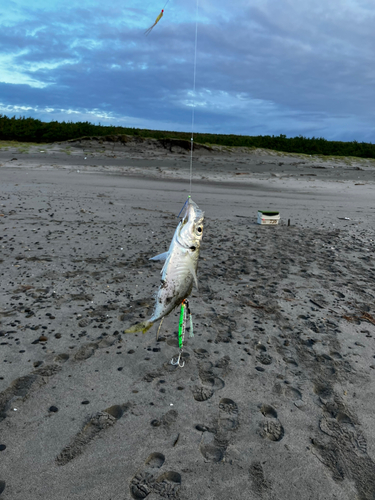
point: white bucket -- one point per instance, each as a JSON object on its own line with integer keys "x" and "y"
{"x": 268, "y": 217}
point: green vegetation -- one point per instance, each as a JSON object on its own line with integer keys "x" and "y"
{"x": 31, "y": 130}
{"x": 22, "y": 147}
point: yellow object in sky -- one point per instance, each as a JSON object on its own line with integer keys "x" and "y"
{"x": 155, "y": 23}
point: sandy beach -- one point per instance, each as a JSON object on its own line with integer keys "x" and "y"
{"x": 276, "y": 398}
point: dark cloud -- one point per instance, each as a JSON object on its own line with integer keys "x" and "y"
{"x": 291, "y": 68}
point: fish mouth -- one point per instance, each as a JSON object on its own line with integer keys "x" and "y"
{"x": 192, "y": 217}
{"x": 192, "y": 212}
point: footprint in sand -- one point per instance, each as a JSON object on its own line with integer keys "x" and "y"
{"x": 288, "y": 391}
{"x": 96, "y": 424}
{"x": 210, "y": 382}
{"x": 86, "y": 351}
{"x": 262, "y": 356}
{"x": 228, "y": 414}
{"x": 165, "y": 421}
{"x": 61, "y": 358}
{"x": 216, "y": 440}
{"x": 271, "y": 427}
{"x": 201, "y": 353}
{"x": 22, "y": 386}
{"x": 260, "y": 484}
{"x": 145, "y": 482}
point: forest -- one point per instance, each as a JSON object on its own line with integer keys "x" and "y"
{"x": 32, "y": 130}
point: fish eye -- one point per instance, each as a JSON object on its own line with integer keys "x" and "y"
{"x": 193, "y": 248}
{"x": 199, "y": 229}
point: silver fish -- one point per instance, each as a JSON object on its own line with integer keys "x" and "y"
{"x": 180, "y": 268}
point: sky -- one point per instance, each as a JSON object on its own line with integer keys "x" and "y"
{"x": 263, "y": 67}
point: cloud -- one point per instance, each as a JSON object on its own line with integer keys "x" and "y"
{"x": 264, "y": 67}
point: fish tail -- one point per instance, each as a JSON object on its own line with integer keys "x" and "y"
{"x": 143, "y": 327}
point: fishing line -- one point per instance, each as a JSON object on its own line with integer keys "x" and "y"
{"x": 185, "y": 309}
{"x": 193, "y": 109}
{"x": 193, "y": 105}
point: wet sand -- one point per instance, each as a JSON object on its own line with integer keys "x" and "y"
{"x": 276, "y": 396}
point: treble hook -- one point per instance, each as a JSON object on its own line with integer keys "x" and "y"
{"x": 178, "y": 361}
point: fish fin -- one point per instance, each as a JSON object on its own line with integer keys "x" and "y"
{"x": 143, "y": 327}
{"x": 161, "y": 256}
{"x": 192, "y": 270}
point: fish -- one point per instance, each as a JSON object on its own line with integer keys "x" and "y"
{"x": 179, "y": 272}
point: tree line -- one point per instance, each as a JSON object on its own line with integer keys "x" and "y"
{"x": 33, "y": 130}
